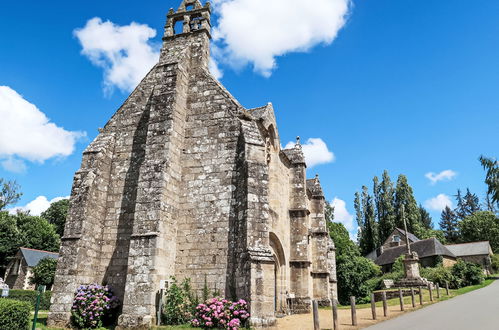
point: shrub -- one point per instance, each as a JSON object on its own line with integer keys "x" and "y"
{"x": 439, "y": 274}
{"x": 14, "y": 314}
{"x": 466, "y": 273}
{"x": 353, "y": 275}
{"x": 398, "y": 265}
{"x": 494, "y": 263}
{"x": 94, "y": 306}
{"x": 30, "y": 297}
{"x": 221, "y": 313}
{"x": 180, "y": 303}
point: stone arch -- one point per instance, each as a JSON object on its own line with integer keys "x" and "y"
{"x": 280, "y": 287}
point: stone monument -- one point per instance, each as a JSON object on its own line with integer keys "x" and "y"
{"x": 412, "y": 277}
{"x": 184, "y": 181}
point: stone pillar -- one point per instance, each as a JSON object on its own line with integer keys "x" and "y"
{"x": 411, "y": 266}
{"x": 260, "y": 261}
{"x": 300, "y": 259}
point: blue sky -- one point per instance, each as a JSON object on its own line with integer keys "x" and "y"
{"x": 408, "y": 86}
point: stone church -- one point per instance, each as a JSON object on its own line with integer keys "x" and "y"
{"x": 184, "y": 181}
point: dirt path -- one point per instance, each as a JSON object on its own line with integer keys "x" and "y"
{"x": 364, "y": 319}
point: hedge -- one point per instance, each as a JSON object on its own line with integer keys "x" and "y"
{"x": 30, "y": 297}
{"x": 14, "y": 314}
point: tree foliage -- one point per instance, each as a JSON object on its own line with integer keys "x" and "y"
{"x": 481, "y": 226}
{"x": 404, "y": 196}
{"x": 10, "y": 239}
{"x": 38, "y": 233}
{"x": 44, "y": 272}
{"x": 354, "y": 275}
{"x": 492, "y": 177}
{"x": 379, "y": 214}
{"x": 9, "y": 193}
{"x": 467, "y": 204}
{"x": 449, "y": 225}
{"x": 56, "y": 215}
{"x": 341, "y": 238}
{"x": 384, "y": 196}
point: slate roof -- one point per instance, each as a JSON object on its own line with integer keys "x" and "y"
{"x": 314, "y": 186}
{"x": 411, "y": 236}
{"x": 33, "y": 257}
{"x": 470, "y": 249}
{"x": 425, "y": 248}
{"x": 295, "y": 155}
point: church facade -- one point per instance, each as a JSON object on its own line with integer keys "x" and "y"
{"x": 184, "y": 181}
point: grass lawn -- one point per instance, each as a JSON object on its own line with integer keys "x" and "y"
{"x": 426, "y": 295}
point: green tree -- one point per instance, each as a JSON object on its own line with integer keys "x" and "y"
{"x": 9, "y": 193}
{"x": 10, "y": 240}
{"x": 404, "y": 196}
{"x": 56, "y": 214}
{"x": 37, "y": 233}
{"x": 329, "y": 212}
{"x": 481, "y": 226}
{"x": 467, "y": 204}
{"x": 354, "y": 273}
{"x": 369, "y": 240}
{"x": 44, "y": 272}
{"x": 384, "y": 196}
{"x": 449, "y": 225}
{"x": 341, "y": 238}
{"x": 366, "y": 218}
{"x": 492, "y": 177}
{"x": 425, "y": 218}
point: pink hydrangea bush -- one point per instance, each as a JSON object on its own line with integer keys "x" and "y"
{"x": 221, "y": 313}
{"x": 93, "y": 306}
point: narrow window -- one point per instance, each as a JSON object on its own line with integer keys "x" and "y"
{"x": 178, "y": 27}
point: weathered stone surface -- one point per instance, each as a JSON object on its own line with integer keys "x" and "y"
{"x": 183, "y": 181}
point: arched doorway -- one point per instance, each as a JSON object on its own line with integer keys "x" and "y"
{"x": 280, "y": 287}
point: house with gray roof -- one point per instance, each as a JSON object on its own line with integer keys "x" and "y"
{"x": 476, "y": 252}
{"x": 19, "y": 270}
{"x": 430, "y": 252}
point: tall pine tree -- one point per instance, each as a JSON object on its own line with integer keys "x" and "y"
{"x": 449, "y": 225}
{"x": 404, "y": 196}
{"x": 384, "y": 195}
{"x": 425, "y": 218}
{"x": 467, "y": 204}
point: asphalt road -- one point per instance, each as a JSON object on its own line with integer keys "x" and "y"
{"x": 475, "y": 310}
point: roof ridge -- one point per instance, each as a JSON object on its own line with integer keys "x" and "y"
{"x": 469, "y": 243}
{"x": 25, "y": 248}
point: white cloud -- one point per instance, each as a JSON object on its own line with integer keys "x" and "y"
{"x": 124, "y": 52}
{"x": 37, "y": 206}
{"x": 257, "y": 31}
{"x": 14, "y": 165}
{"x": 26, "y": 133}
{"x": 438, "y": 203}
{"x": 442, "y": 176}
{"x": 341, "y": 214}
{"x": 215, "y": 69}
{"x": 316, "y": 152}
